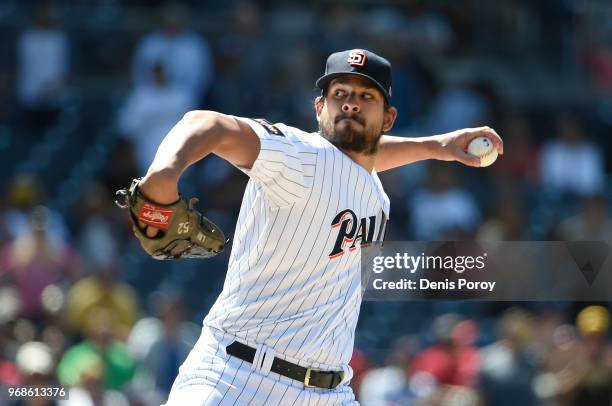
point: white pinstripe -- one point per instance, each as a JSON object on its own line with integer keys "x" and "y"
{"x": 282, "y": 289}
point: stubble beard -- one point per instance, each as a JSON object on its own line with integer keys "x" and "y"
{"x": 348, "y": 138}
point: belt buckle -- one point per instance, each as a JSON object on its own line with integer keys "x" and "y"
{"x": 307, "y": 379}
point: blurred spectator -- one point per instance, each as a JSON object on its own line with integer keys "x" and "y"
{"x": 161, "y": 345}
{"x": 411, "y": 79}
{"x": 508, "y": 367}
{"x": 591, "y": 223}
{"x": 42, "y": 72}
{"x": 598, "y": 57}
{"x": 508, "y": 222}
{"x": 294, "y": 95}
{"x": 90, "y": 389}
{"x": 244, "y": 64}
{"x": 4, "y": 231}
{"x": 442, "y": 207}
{"x": 98, "y": 234}
{"x": 339, "y": 28}
{"x": 125, "y": 166}
{"x": 183, "y": 55}
{"x": 360, "y": 365}
{"x": 9, "y": 372}
{"x": 102, "y": 292}
{"x": 572, "y": 163}
{"x": 99, "y": 354}
{"x": 565, "y": 344}
{"x": 446, "y": 372}
{"x": 428, "y": 30}
{"x": 453, "y": 360}
{"x": 521, "y": 160}
{"x": 36, "y": 364}
{"x": 459, "y": 106}
{"x": 150, "y": 112}
{"x": 24, "y": 193}
{"x": 38, "y": 265}
{"x": 580, "y": 367}
{"x": 388, "y": 385}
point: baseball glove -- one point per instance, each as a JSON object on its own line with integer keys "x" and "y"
{"x": 184, "y": 232}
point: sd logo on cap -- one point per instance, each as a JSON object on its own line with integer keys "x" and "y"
{"x": 358, "y": 62}
{"x": 357, "y": 57}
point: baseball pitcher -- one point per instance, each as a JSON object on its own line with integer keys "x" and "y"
{"x": 282, "y": 330}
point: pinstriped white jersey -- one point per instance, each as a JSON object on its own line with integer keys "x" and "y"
{"x": 294, "y": 277}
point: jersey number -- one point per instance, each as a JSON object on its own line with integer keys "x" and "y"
{"x": 183, "y": 228}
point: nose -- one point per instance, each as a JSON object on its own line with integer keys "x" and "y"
{"x": 350, "y": 106}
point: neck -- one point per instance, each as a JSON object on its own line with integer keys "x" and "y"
{"x": 365, "y": 161}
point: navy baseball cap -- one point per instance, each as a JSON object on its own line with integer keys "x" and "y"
{"x": 358, "y": 62}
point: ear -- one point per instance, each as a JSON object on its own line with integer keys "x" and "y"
{"x": 389, "y": 118}
{"x": 318, "y": 105}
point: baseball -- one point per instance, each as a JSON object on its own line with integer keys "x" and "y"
{"x": 483, "y": 147}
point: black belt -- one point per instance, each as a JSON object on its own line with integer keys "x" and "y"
{"x": 311, "y": 378}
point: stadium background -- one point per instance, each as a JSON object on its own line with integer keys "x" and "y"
{"x": 87, "y": 88}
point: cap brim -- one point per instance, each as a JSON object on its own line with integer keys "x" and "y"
{"x": 325, "y": 80}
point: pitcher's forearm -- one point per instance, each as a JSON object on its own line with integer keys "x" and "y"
{"x": 398, "y": 151}
{"x": 452, "y": 146}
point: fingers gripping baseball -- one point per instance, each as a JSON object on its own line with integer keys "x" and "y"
{"x": 483, "y": 148}
{"x": 475, "y": 147}
{"x": 466, "y": 158}
{"x": 489, "y": 133}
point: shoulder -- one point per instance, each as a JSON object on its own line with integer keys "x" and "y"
{"x": 308, "y": 141}
{"x": 300, "y": 139}
{"x": 297, "y": 134}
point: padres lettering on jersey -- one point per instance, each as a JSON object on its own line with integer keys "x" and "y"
{"x": 351, "y": 232}
{"x": 294, "y": 277}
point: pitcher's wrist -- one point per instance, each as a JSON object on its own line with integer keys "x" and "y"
{"x": 160, "y": 186}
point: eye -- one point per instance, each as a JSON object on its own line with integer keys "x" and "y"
{"x": 339, "y": 93}
{"x": 368, "y": 96}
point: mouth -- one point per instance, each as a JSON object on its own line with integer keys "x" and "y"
{"x": 355, "y": 120}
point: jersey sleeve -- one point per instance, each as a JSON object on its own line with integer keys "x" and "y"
{"x": 279, "y": 167}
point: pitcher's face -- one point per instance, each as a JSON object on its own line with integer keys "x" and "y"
{"x": 352, "y": 114}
